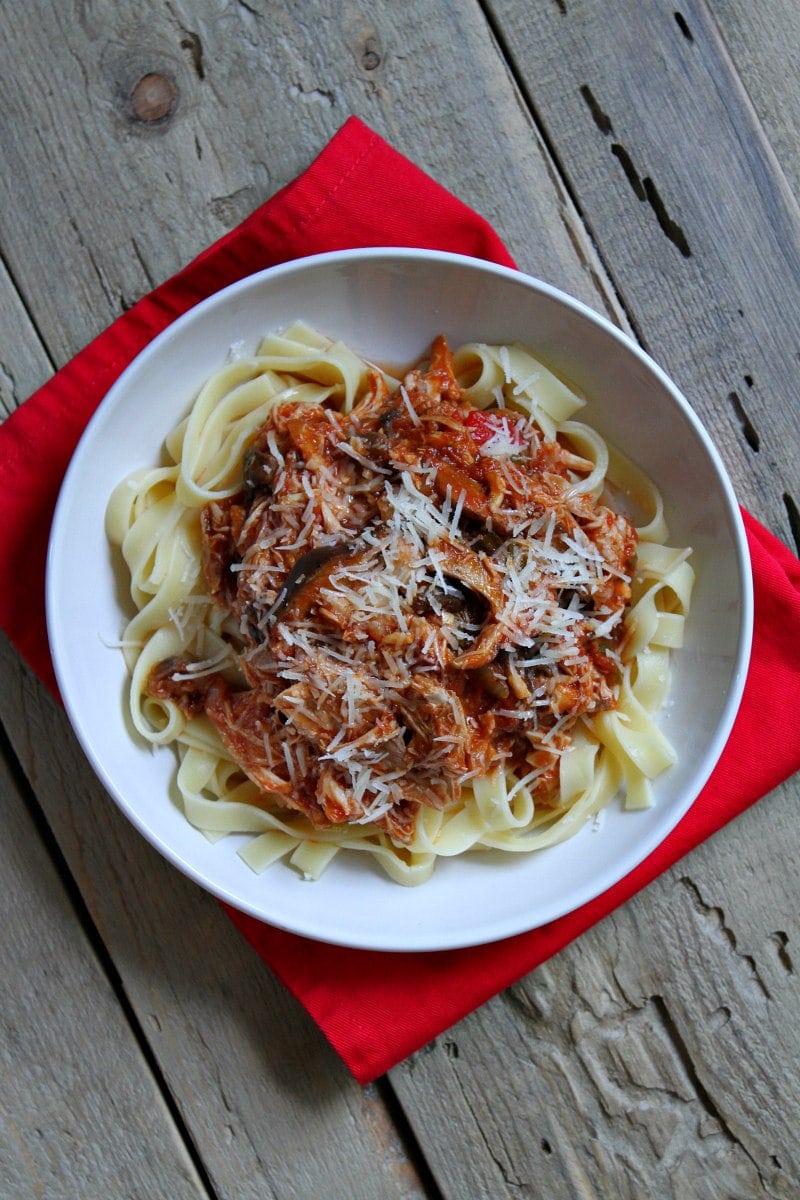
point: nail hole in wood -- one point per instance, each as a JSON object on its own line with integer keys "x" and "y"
{"x": 719, "y": 1019}
{"x": 370, "y": 56}
{"x": 781, "y": 941}
{"x": 192, "y": 43}
{"x": 631, "y": 174}
{"x": 646, "y": 190}
{"x": 601, "y": 119}
{"x": 680, "y": 21}
{"x": 671, "y": 228}
{"x": 748, "y": 428}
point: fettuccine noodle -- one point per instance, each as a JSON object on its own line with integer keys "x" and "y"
{"x": 407, "y": 619}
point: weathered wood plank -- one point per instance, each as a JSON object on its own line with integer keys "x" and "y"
{"x": 87, "y": 163}
{"x": 269, "y": 1106}
{"x": 661, "y": 1086}
{"x": 97, "y": 202}
{"x": 256, "y": 1084}
{"x": 24, "y": 364}
{"x": 80, "y": 1113}
{"x": 84, "y": 244}
{"x": 677, "y": 182}
{"x": 764, "y": 42}
{"x": 658, "y": 1055}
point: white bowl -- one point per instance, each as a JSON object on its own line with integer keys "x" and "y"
{"x": 388, "y": 305}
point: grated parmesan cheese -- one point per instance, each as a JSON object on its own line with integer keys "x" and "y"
{"x": 443, "y": 567}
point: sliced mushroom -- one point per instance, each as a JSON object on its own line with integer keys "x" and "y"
{"x": 480, "y": 576}
{"x": 307, "y": 577}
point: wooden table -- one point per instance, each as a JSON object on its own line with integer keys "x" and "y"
{"x": 640, "y": 155}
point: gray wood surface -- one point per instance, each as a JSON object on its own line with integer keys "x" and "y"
{"x": 79, "y": 1100}
{"x": 687, "y": 203}
{"x": 643, "y": 156}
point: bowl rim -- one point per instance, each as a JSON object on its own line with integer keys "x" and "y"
{"x": 374, "y": 254}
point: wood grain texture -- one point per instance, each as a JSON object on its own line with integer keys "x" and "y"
{"x": 659, "y": 1055}
{"x": 97, "y": 204}
{"x": 103, "y": 205}
{"x": 24, "y": 364}
{"x": 764, "y": 43}
{"x": 659, "y": 1086}
{"x": 263, "y": 1096}
{"x": 79, "y": 1102}
{"x": 679, "y": 185}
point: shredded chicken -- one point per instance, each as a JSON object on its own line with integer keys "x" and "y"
{"x": 413, "y": 610}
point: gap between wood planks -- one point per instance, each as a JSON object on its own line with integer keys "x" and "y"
{"x": 382, "y": 1087}
{"x": 28, "y": 313}
{"x": 555, "y": 162}
{"x": 98, "y": 947}
{"x": 646, "y": 192}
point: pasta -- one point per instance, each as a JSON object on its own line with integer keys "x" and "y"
{"x": 408, "y": 619}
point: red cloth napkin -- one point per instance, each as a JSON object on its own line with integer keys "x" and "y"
{"x": 375, "y": 1008}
